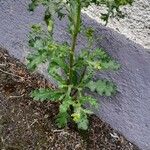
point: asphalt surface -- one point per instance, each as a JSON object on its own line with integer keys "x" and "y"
{"x": 129, "y": 110}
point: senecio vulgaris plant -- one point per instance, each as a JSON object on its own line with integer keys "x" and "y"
{"x": 72, "y": 71}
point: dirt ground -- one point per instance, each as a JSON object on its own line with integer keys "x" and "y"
{"x": 29, "y": 125}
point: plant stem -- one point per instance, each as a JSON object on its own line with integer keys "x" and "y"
{"x": 83, "y": 74}
{"x": 74, "y": 40}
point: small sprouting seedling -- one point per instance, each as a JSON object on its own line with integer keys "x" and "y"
{"x": 72, "y": 71}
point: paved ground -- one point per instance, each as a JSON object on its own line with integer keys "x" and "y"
{"x": 129, "y": 111}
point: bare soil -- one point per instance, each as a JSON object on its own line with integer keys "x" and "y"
{"x": 29, "y": 125}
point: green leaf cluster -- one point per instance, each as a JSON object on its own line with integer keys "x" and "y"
{"x": 73, "y": 72}
{"x": 102, "y": 87}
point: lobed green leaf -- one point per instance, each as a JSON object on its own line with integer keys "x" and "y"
{"x": 102, "y": 87}
{"x": 46, "y": 94}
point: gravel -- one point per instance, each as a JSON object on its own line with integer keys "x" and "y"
{"x": 135, "y": 25}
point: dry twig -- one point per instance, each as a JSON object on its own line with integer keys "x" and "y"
{"x": 10, "y": 73}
